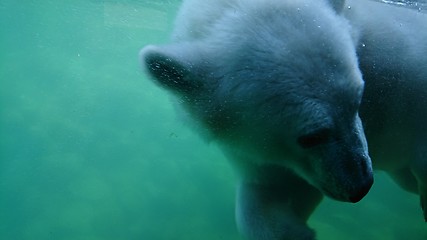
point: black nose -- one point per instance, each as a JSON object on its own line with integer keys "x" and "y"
{"x": 363, "y": 190}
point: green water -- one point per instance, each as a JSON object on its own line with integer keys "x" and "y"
{"x": 90, "y": 149}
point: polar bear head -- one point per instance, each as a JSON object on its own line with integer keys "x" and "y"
{"x": 277, "y": 83}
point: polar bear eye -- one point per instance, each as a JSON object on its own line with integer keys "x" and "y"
{"x": 315, "y": 138}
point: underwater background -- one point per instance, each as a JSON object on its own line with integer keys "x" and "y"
{"x": 91, "y": 149}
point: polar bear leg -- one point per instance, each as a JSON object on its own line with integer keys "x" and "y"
{"x": 419, "y": 169}
{"x": 405, "y": 179}
{"x": 276, "y": 211}
{"x": 413, "y": 179}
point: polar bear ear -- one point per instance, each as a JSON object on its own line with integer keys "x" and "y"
{"x": 337, "y": 5}
{"x": 171, "y": 66}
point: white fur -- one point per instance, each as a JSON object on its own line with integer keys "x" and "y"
{"x": 277, "y": 85}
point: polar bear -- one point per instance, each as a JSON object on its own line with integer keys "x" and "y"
{"x": 277, "y": 84}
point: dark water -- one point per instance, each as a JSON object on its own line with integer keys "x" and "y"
{"x": 90, "y": 149}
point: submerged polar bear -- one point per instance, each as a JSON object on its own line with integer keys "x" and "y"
{"x": 278, "y": 85}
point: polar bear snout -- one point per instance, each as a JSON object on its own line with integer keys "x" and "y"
{"x": 349, "y": 190}
{"x": 357, "y": 177}
{"x": 366, "y": 180}
{"x": 363, "y": 190}
{"x": 344, "y": 171}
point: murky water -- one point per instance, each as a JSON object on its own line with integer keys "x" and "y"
{"x": 90, "y": 149}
